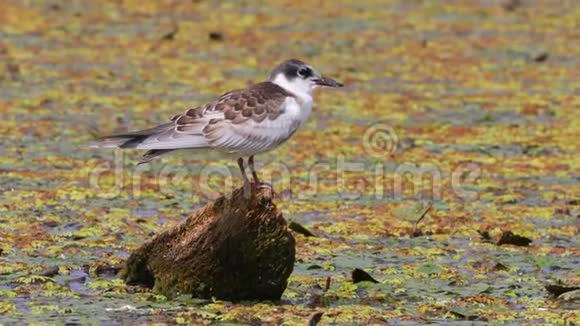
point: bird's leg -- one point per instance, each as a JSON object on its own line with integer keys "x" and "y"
{"x": 246, "y": 180}
{"x": 254, "y": 174}
{"x": 257, "y": 182}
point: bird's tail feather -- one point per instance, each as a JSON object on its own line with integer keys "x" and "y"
{"x": 158, "y": 141}
{"x": 129, "y": 139}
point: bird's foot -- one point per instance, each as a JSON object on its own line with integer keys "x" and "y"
{"x": 264, "y": 185}
{"x": 252, "y": 188}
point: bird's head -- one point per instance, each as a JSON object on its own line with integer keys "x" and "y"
{"x": 299, "y": 77}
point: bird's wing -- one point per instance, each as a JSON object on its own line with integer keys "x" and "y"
{"x": 170, "y": 139}
{"x": 185, "y": 130}
{"x": 250, "y": 120}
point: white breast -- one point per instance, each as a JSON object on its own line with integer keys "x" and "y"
{"x": 297, "y": 109}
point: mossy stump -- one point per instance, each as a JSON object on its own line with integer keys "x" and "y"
{"x": 236, "y": 248}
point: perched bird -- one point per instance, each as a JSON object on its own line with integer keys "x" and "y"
{"x": 242, "y": 122}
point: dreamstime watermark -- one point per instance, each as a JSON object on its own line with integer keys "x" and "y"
{"x": 379, "y": 140}
{"x": 340, "y": 177}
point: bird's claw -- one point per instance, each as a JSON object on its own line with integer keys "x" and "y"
{"x": 267, "y": 186}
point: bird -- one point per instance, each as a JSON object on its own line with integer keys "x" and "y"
{"x": 240, "y": 123}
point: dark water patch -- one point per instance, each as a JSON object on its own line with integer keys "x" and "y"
{"x": 14, "y": 92}
{"x": 144, "y": 213}
{"x": 496, "y": 150}
{"x": 76, "y": 282}
{"x": 308, "y": 217}
{"x": 7, "y": 182}
{"x": 547, "y": 180}
{"x": 31, "y": 40}
{"x": 473, "y": 114}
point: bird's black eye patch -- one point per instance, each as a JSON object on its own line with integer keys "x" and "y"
{"x": 305, "y": 72}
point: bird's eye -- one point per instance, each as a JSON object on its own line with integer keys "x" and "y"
{"x": 305, "y": 72}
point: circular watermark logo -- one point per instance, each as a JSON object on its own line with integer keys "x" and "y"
{"x": 380, "y": 139}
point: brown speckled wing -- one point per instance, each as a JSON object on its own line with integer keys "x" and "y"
{"x": 242, "y": 120}
{"x": 259, "y": 102}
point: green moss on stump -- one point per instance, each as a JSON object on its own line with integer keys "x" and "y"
{"x": 236, "y": 248}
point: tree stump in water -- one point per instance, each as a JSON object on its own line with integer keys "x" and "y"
{"x": 236, "y": 248}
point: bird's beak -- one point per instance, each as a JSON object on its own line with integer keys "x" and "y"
{"x": 325, "y": 81}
